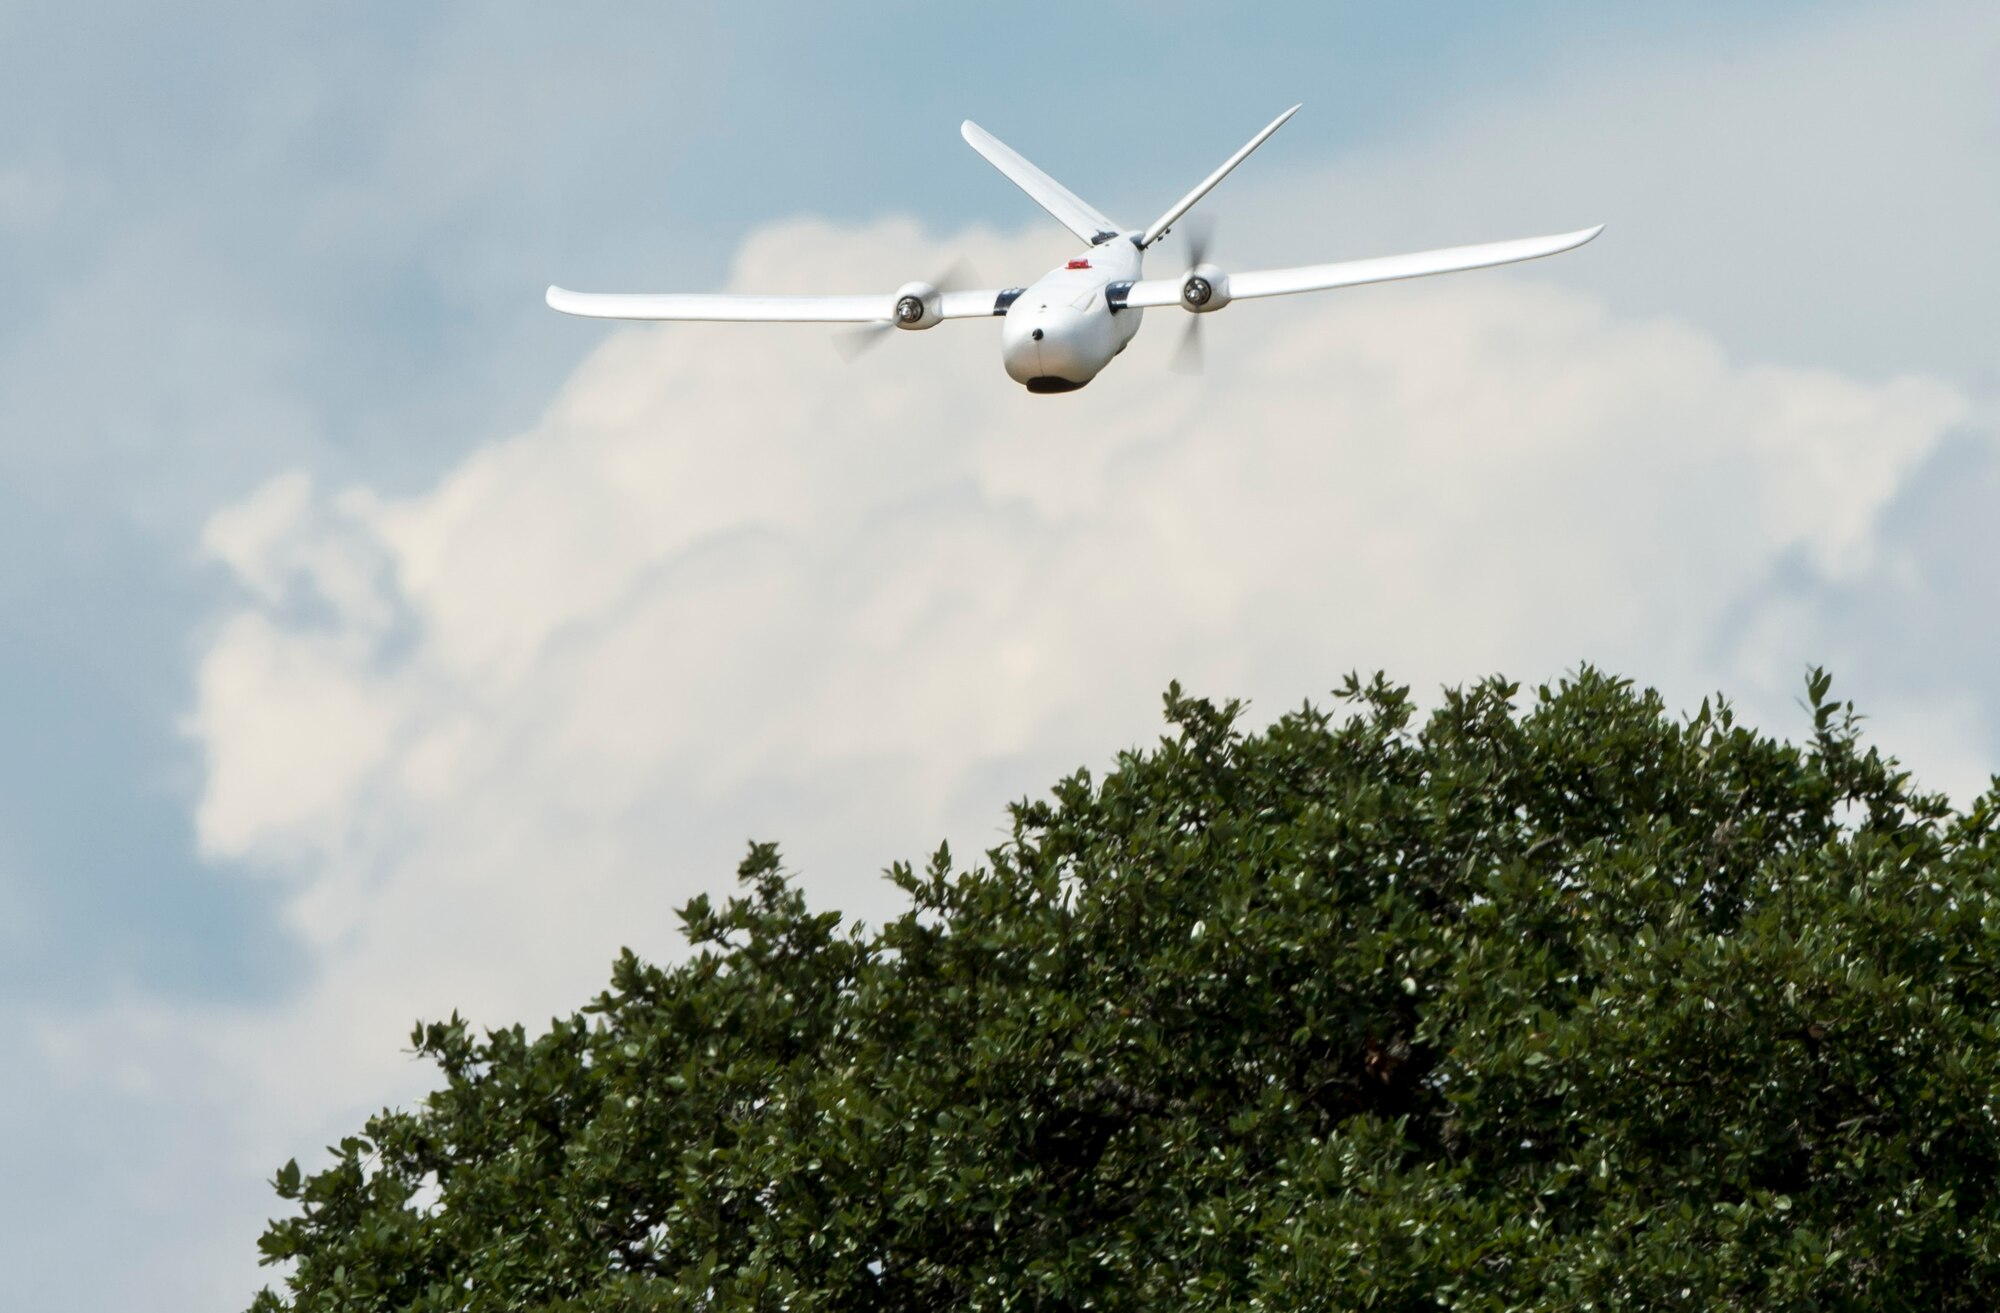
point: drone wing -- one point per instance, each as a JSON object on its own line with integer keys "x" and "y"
{"x": 1207, "y": 185}
{"x": 1069, "y": 209}
{"x": 1351, "y": 273}
{"x": 732, "y": 308}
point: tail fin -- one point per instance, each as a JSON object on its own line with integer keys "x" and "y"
{"x": 1070, "y": 210}
{"x": 1186, "y": 203}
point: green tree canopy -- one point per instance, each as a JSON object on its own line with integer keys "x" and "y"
{"x": 1552, "y": 1001}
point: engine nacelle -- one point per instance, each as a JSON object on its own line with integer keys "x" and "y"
{"x": 1205, "y": 288}
{"x": 919, "y": 305}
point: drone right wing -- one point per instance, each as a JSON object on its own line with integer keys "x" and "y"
{"x": 734, "y": 308}
{"x": 1352, "y": 273}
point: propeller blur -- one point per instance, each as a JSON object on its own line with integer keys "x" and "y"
{"x": 1059, "y": 332}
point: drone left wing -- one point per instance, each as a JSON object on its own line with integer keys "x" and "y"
{"x": 1352, "y": 273}
{"x": 732, "y": 308}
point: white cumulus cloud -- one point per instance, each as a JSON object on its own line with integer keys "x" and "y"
{"x": 729, "y": 585}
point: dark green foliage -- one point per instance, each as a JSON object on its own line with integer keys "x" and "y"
{"x": 1574, "y": 1006}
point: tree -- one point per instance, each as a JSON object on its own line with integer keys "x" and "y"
{"x": 1551, "y": 1002}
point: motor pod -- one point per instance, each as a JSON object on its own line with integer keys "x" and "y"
{"x": 1204, "y": 289}
{"x": 919, "y": 305}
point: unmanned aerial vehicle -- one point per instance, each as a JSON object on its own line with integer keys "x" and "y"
{"x": 1058, "y": 332}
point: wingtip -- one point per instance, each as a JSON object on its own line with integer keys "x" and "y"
{"x": 549, "y": 297}
{"x": 1569, "y": 241}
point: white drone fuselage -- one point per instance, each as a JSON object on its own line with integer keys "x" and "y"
{"x": 1059, "y": 332}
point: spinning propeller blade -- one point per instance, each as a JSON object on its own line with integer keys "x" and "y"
{"x": 854, "y": 343}
{"x": 1190, "y": 356}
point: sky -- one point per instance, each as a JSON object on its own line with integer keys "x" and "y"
{"x": 375, "y": 642}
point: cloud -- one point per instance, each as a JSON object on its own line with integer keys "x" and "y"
{"x": 1920, "y": 621}
{"x": 729, "y": 587}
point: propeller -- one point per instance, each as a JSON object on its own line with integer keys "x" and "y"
{"x": 854, "y": 343}
{"x": 1189, "y": 356}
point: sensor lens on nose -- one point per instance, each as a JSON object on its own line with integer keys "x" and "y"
{"x": 1037, "y": 335}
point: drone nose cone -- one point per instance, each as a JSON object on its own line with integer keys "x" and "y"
{"x": 1050, "y": 348}
{"x": 1022, "y": 333}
